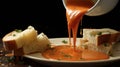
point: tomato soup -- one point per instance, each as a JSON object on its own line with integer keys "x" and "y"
{"x": 75, "y": 10}
{"x": 67, "y": 53}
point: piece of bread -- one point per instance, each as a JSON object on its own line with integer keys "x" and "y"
{"x": 99, "y": 39}
{"x": 39, "y": 45}
{"x": 26, "y": 41}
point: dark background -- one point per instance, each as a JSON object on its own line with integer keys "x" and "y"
{"x": 48, "y": 16}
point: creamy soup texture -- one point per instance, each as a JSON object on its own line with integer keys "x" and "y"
{"x": 75, "y": 10}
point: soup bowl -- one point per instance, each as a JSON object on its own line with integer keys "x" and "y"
{"x": 100, "y": 7}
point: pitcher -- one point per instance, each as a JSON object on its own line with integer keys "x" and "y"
{"x": 100, "y": 7}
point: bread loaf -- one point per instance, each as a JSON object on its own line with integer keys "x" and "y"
{"x": 26, "y": 41}
{"x": 100, "y": 39}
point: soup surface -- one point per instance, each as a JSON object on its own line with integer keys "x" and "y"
{"x": 68, "y": 53}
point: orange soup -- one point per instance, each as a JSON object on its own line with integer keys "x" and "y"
{"x": 67, "y": 53}
{"x": 75, "y": 10}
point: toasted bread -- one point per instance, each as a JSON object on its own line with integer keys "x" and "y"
{"x": 26, "y": 41}
{"x": 100, "y": 39}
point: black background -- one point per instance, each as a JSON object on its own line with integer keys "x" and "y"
{"x": 48, "y": 16}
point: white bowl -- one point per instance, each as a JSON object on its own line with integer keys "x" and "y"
{"x": 59, "y": 63}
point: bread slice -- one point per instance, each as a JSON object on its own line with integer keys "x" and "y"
{"x": 25, "y": 42}
{"x": 100, "y": 39}
{"x": 39, "y": 45}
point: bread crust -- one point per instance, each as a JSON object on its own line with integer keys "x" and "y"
{"x": 10, "y": 45}
{"x": 108, "y": 38}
